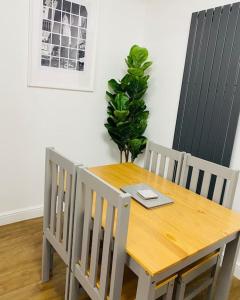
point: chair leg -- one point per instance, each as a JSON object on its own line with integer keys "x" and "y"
{"x": 67, "y": 284}
{"x": 51, "y": 260}
{"x": 47, "y": 259}
{"x": 180, "y": 291}
{"x": 74, "y": 288}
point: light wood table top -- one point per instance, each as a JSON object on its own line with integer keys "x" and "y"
{"x": 164, "y": 236}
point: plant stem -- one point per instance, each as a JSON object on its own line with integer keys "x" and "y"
{"x": 126, "y": 155}
{"x": 121, "y": 153}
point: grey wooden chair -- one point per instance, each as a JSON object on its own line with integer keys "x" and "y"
{"x": 60, "y": 176}
{"x": 201, "y": 175}
{"x": 97, "y": 204}
{"x": 99, "y": 237}
{"x": 163, "y": 161}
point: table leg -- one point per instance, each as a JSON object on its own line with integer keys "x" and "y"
{"x": 146, "y": 287}
{"x": 226, "y": 272}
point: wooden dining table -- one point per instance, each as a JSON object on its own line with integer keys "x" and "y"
{"x": 164, "y": 240}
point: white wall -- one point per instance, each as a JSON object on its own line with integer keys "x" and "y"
{"x": 167, "y": 31}
{"x": 73, "y": 122}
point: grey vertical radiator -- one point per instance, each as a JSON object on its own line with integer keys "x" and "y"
{"x": 210, "y": 96}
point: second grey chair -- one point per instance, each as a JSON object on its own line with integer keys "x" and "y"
{"x": 163, "y": 161}
{"x": 60, "y": 175}
{"x": 99, "y": 238}
{"x": 201, "y": 175}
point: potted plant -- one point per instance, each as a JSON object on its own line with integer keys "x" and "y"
{"x": 127, "y": 111}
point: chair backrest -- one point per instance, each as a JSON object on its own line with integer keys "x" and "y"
{"x": 60, "y": 176}
{"x": 99, "y": 238}
{"x": 163, "y": 161}
{"x": 209, "y": 178}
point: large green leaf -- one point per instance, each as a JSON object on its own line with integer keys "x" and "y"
{"x": 121, "y": 115}
{"x": 114, "y": 86}
{"x": 121, "y": 101}
{"x": 146, "y": 65}
{"x": 139, "y": 55}
{"x": 129, "y": 61}
{"x": 136, "y": 71}
{"x": 135, "y": 86}
{"x": 137, "y": 106}
{"x": 145, "y": 78}
{"x": 110, "y": 96}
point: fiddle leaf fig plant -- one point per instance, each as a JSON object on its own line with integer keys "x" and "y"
{"x": 127, "y": 111}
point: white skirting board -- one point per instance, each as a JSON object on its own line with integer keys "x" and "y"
{"x": 21, "y": 215}
{"x": 37, "y": 211}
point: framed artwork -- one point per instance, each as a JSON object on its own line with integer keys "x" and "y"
{"x": 62, "y": 44}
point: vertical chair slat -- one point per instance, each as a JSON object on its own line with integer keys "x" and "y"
{"x": 162, "y": 165}
{"x": 105, "y": 265}
{"x": 185, "y": 169}
{"x": 96, "y": 240}
{"x": 232, "y": 185}
{"x": 205, "y": 184}
{"x": 194, "y": 179}
{"x": 147, "y": 159}
{"x": 54, "y": 191}
{"x": 47, "y": 191}
{"x": 78, "y": 220}
{"x": 154, "y": 161}
{"x": 86, "y": 229}
{"x": 119, "y": 255}
{"x": 184, "y": 176}
{"x": 170, "y": 290}
{"x": 218, "y": 189}
{"x": 170, "y": 172}
{"x": 60, "y": 204}
{"x": 67, "y": 189}
{"x": 178, "y": 167}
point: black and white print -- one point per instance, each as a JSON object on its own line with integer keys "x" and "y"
{"x": 64, "y": 34}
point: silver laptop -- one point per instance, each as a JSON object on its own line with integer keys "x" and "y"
{"x": 149, "y": 203}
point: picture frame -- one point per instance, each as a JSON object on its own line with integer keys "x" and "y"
{"x": 62, "y": 44}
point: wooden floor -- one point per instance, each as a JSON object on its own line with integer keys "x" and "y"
{"x": 20, "y": 266}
